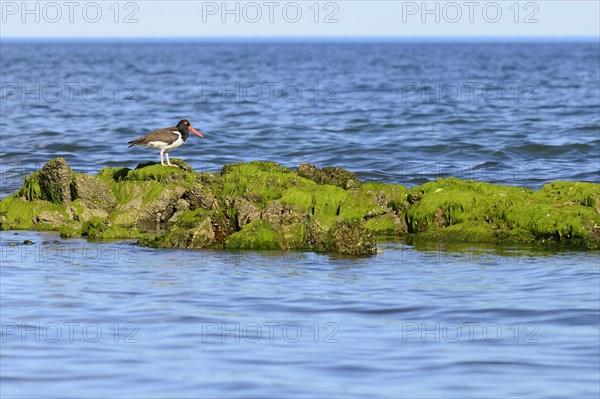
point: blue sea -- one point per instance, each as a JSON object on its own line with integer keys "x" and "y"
{"x": 84, "y": 319}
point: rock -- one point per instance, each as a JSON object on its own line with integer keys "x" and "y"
{"x": 200, "y": 196}
{"x": 256, "y": 235}
{"x": 289, "y": 224}
{"x": 202, "y": 236}
{"x": 94, "y": 192}
{"x": 49, "y": 217}
{"x": 387, "y": 223}
{"x": 262, "y": 205}
{"x": 94, "y": 227}
{"x": 81, "y": 212}
{"x": 439, "y": 219}
{"x": 318, "y": 235}
{"x": 55, "y": 181}
{"x": 181, "y": 164}
{"x": 163, "y": 208}
{"x": 246, "y": 211}
{"x": 197, "y": 237}
{"x": 115, "y": 174}
{"x": 130, "y": 212}
{"x": 351, "y": 238}
{"x": 329, "y": 175}
{"x": 157, "y": 172}
{"x": 277, "y": 213}
{"x": 180, "y": 207}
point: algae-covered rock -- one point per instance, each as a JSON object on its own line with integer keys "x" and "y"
{"x": 49, "y": 218}
{"x": 246, "y": 211}
{"x": 352, "y": 238}
{"x": 289, "y": 224}
{"x": 200, "y": 235}
{"x": 472, "y": 211}
{"x": 255, "y": 235}
{"x": 157, "y": 172}
{"x": 55, "y": 180}
{"x": 18, "y": 213}
{"x": 94, "y": 192}
{"x": 163, "y": 206}
{"x": 200, "y": 195}
{"x": 328, "y": 175}
{"x": 262, "y": 205}
{"x": 388, "y": 223}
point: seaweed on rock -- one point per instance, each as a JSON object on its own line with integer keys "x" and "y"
{"x": 263, "y": 205}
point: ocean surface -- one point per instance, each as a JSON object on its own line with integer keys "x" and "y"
{"x": 111, "y": 319}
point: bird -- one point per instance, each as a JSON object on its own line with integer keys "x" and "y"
{"x": 167, "y": 138}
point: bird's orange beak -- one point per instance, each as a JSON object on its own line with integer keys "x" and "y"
{"x": 197, "y": 133}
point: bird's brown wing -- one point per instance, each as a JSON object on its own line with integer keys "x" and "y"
{"x": 165, "y": 135}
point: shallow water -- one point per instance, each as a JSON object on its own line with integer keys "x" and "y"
{"x": 111, "y": 319}
{"x": 83, "y": 319}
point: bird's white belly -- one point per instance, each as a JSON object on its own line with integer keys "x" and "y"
{"x": 165, "y": 146}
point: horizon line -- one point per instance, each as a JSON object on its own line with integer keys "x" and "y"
{"x": 307, "y": 38}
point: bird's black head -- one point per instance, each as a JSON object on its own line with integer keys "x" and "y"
{"x": 184, "y": 125}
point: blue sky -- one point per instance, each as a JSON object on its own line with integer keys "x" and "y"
{"x": 407, "y": 19}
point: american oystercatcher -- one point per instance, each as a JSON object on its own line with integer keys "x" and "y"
{"x": 166, "y": 138}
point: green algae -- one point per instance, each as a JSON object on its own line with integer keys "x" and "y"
{"x": 263, "y": 205}
{"x": 20, "y": 214}
{"x": 114, "y": 174}
{"x": 258, "y": 181}
{"x": 255, "y": 235}
{"x": 69, "y": 232}
{"x": 548, "y": 222}
{"x": 160, "y": 173}
{"x": 31, "y": 189}
{"x": 322, "y": 202}
{"x": 118, "y": 232}
{"x": 329, "y": 175}
{"x": 191, "y": 218}
{"x": 572, "y": 193}
{"x": 351, "y": 237}
{"x": 93, "y": 227}
{"x": 471, "y": 211}
{"x": 382, "y": 225}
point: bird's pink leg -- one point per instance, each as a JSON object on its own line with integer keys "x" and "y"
{"x": 168, "y": 162}
{"x": 161, "y": 157}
